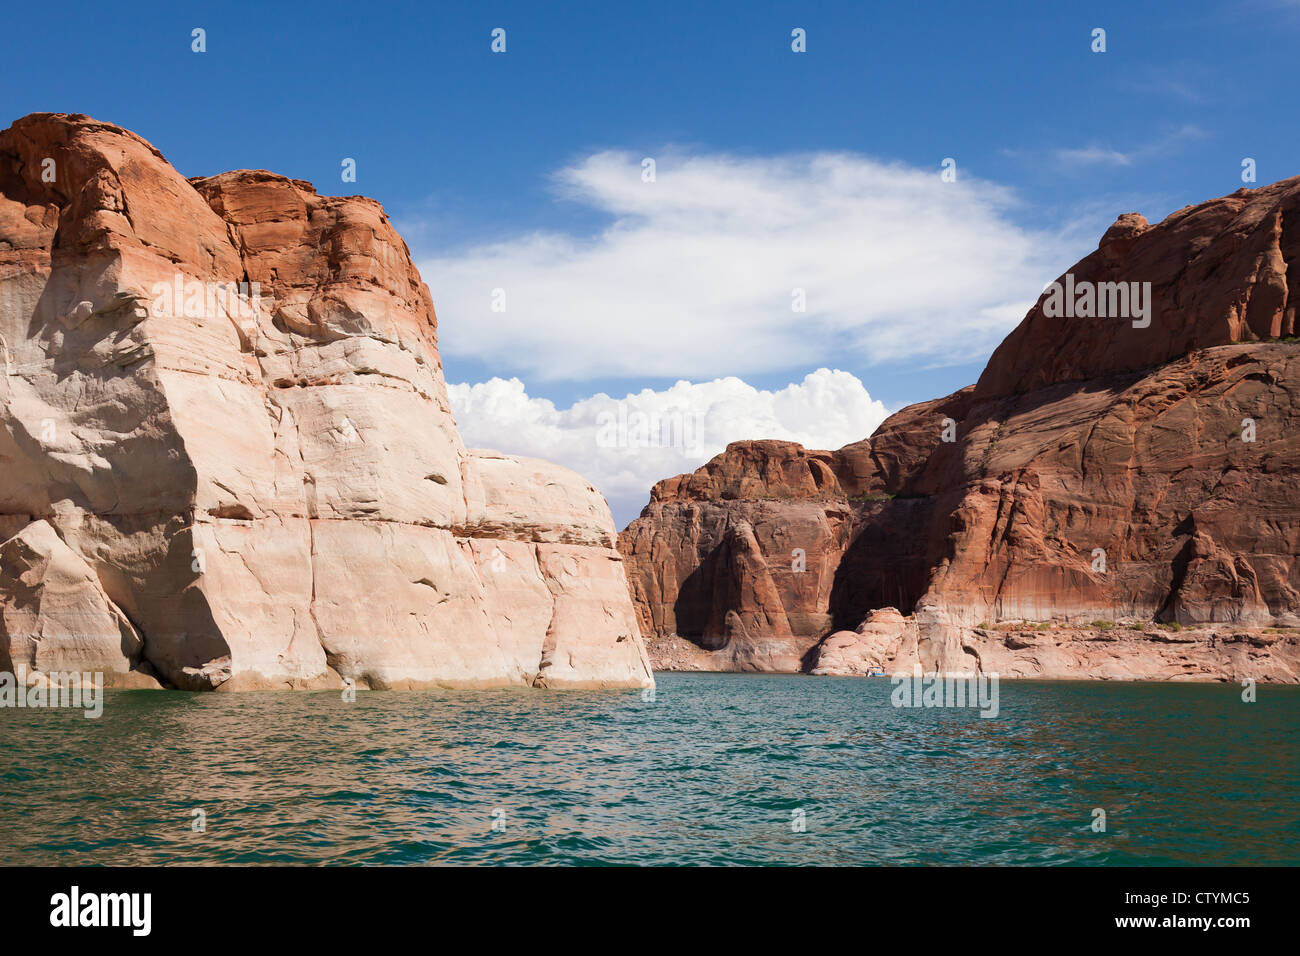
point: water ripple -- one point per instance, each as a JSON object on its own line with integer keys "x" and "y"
{"x": 718, "y": 770}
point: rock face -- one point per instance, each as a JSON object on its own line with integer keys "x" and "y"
{"x": 56, "y": 617}
{"x": 1104, "y": 468}
{"x": 887, "y": 643}
{"x": 227, "y": 457}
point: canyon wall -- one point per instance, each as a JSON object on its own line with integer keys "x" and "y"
{"x": 1134, "y": 469}
{"x": 228, "y": 460}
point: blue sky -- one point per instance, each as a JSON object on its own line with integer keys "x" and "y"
{"x": 467, "y": 148}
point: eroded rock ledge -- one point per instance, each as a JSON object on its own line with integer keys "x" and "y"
{"x": 206, "y": 491}
{"x": 1084, "y": 438}
{"x": 889, "y": 643}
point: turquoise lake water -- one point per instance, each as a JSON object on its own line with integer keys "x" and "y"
{"x": 714, "y": 770}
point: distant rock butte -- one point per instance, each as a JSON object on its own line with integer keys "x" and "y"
{"x": 203, "y": 492}
{"x": 1082, "y": 436}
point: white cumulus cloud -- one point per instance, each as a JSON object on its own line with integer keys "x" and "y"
{"x": 624, "y": 445}
{"x": 695, "y": 273}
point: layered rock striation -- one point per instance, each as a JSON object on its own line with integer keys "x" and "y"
{"x": 228, "y": 460}
{"x": 1105, "y": 468}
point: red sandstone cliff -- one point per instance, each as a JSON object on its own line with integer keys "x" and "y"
{"x": 1123, "y": 440}
{"x": 227, "y": 458}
